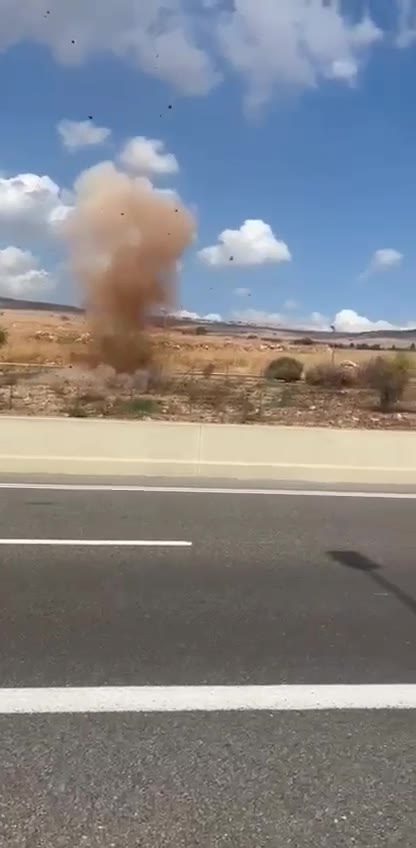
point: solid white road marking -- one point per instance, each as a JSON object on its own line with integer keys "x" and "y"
{"x": 140, "y": 461}
{"x": 132, "y": 543}
{"x": 203, "y": 490}
{"x": 143, "y": 699}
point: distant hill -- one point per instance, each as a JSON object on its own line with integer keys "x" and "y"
{"x": 39, "y": 306}
{"x": 229, "y": 327}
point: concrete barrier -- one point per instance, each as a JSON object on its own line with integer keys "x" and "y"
{"x": 94, "y": 447}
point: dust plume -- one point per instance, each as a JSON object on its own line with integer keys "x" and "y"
{"x": 126, "y": 240}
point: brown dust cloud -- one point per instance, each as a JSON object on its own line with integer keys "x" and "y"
{"x": 126, "y": 240}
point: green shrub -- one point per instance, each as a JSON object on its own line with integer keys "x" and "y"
{"x": 201, "y": 331}
{"x": 388, "y": 377}
{"x": 3, "y": 336}
{"x": 138, "y": 407}
{"x": 329, "y": 375}
{"x": 285, "y": 368}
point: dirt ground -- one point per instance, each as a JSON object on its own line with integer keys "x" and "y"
{"x": 199, "y": 378}
{"x": 99, "y": 393}
{"x": 63, "y": 339}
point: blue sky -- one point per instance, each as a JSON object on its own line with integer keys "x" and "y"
{"x": 297, "y": 115}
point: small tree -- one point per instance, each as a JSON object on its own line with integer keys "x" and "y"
{"x": 388, "y": 377}
{"x": 285, "y": 368}
{"x": 3, "y": 336}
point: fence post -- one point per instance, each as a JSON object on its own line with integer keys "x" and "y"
{"x": 261, "y": 402}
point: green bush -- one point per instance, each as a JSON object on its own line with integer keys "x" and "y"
{"x": 388, "y": 377}
{"x": 138, "y": 407}
{"x": 329, "y": 375}
{"x": 3, "y": 336}
{"x": 285, "y": 368}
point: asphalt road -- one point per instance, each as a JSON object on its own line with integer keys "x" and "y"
{"x": 273, "y": 590}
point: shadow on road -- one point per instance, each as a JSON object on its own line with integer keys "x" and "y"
{"x": 355, "y": 560}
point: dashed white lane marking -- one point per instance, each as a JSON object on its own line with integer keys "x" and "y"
{"x": 120, "y": 543}
{"x": 148, "y": 699}
{"x": 203, "y": 490}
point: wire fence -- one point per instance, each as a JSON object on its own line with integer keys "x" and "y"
{"x": 162, "y": 393}
{"x": 183, "y": 395}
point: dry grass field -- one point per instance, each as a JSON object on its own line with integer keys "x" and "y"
{"x": 197, "y": 377}
{"x": 62, "y": 339}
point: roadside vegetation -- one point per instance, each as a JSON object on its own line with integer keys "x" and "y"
{"x": 51, "y": 367}
{"x": 388, "y": 377}
{"x": 284, "y": 368}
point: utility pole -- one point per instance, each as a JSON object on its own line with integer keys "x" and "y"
{"x": 332, "y": 348}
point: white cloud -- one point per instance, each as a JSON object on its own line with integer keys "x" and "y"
{"x": 261, "y": 317}
{"x": 314, "y": 321}
{"x": 253, "y": 244}
{"x": 146, "y": 156}
{"x": 348, "y": 321}
{"x": 344, "y": 69}
{"x": 20, "y": 275}
{"x": 186, "y": 314}
{"x": 383, "y": 260}
{"x": 345, "y": 321}
{"x": 272, "y": 44}
{"x": 242, "y": 292}
{"x": 158, "y": 35}
{"x": 78, "y": 134}
{"x": 386, "y": 258}
{"x": 258, "y": 317}
{"x": 293, "y": 43}
{"x": 31, "y": 204}
{"x": 214, "y": 317}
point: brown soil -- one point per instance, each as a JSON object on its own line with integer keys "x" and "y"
{"x": 186, "y": 398}
{"x": 181, "y": 388}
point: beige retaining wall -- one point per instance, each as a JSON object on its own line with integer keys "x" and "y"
{"x": 93, "y": 447}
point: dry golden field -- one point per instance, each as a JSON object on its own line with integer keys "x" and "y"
{"x": 49, "y": 342}
{"x": 45, "y": 338}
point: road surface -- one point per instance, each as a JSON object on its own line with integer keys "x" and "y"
{"x": 241, "y": 590}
